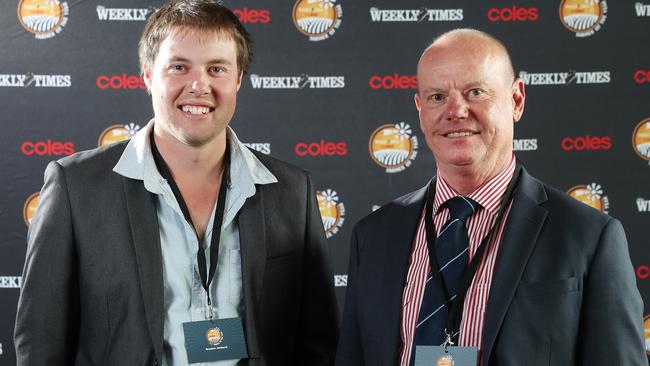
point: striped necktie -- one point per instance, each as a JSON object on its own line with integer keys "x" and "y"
{"x": 452, "y": 246}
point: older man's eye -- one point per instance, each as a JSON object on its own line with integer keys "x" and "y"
{"x": 436, "y": 97}
{"x": 476, "y": 92}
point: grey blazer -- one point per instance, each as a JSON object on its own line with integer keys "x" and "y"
{"x": 93, "y": 285}
{"x": 563, "y": 290}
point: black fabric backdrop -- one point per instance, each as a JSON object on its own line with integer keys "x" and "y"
{"x": 332, "y": 91}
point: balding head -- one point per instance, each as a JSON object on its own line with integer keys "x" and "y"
{"x": 468, "y": 100}
{"x": 472, "y": 43}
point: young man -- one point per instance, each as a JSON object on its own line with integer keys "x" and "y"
{"x": 141, "y": 248}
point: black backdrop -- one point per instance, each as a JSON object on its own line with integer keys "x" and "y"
{"x": 331, "y": 90}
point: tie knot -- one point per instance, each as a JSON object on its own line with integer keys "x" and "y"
{"x": 461, "y": 207}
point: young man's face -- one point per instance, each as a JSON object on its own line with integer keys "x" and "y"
{"x": 193, "y": 83}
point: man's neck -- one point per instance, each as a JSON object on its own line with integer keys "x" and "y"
{"x": 198, "y": 163}
{"x": 467, "y": 179}
{"x": 196, "y": 172}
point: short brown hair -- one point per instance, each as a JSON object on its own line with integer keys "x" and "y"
{"x": 203, "y": 15}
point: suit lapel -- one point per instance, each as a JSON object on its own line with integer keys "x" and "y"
{"x": 252, "y": 227}
{"x": 525, "y": 222}
{"x": 143, "y": 221}
{"x": 398, "y": 241}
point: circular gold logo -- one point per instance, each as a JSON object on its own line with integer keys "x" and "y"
{"x": 29, "y": 208}
{"x": 641, "y": 139}
{"x": 44, "y": 18}
{"x": 445, "y": 360}
{"x": 117, "y": 133}
{"x": 317, "y": 19}
{"x": 393, "y": 147}
{"x": 583, "y": 17}
{"x": 331, "y": 211}
{"x": 214, "y": 336}
{"x": 591, "y": 195}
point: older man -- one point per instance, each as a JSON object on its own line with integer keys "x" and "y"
{"x": 182, "y": 245}
{"x": 522, "y": 273}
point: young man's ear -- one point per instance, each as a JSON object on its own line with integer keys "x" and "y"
{"x": 146, "y": 76}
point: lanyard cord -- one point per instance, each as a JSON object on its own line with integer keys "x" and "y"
{"x": 206, "y": 278}
{"x": 454, "y": 314}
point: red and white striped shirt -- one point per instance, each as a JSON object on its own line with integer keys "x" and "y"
{"x": 489, "y": 195}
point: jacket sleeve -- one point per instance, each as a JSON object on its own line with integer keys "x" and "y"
{"x": 319, "y": 315}
{"x": 350, "y": 351}
{"x": 612, "y": 329}
{"x": 47, "y": 324}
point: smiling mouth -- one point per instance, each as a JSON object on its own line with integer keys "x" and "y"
{"x": 460, "y": 134}
{"x": 195, "y": 109}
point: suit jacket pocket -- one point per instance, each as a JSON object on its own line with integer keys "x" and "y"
{"x": 543, "y": 288}
{"x": 541, "y": 324}
{"x": 280, "y": 261}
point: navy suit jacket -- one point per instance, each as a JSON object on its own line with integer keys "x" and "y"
{"x": 563, "y": 290}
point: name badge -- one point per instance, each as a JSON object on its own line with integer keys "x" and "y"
{"x": 218, "y": 340}
{"x": 436, "y": 356}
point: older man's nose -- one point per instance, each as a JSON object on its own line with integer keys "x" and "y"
{"x": 457, "y": 108}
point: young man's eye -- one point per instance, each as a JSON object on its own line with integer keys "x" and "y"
{"x": 217, "y": 69}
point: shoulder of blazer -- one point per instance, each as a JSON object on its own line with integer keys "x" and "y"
{"x": 87, "y": 172}
{"x": 557, "y": 202}
{"x": 100, "y": 157}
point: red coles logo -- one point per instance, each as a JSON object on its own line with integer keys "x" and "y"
{"x": 247, "y": 15}
{"x": 642, "y": 76}
{"x": 321, "y": 148}
{"x": 394, "y": 81}
{"x": 123, "y": 81}
{"x": 587, "y": 143}
{"x": 49, "y": 147}
{"x": 643, "y": 272}
{"x": 514, "y": 14}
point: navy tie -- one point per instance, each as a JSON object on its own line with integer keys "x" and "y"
{"x": 452, "y": 246}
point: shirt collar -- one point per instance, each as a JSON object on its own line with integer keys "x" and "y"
{"x": 245, "y": 166}
{"x": 137, "y": 162}
{"x": 488, "y": 195}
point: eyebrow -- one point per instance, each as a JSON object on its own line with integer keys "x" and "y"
{"x": 219, "y": 60}
{"x": 474, "y": 84}
{"x": 430, "y": 90}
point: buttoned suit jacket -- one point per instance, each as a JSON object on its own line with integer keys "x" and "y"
{"x": 93, "y": 280}
{"x": 563, "y": 290}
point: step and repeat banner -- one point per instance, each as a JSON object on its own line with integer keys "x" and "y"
{"x": 331, "y": 90}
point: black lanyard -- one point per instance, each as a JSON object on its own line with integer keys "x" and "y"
{"x": 454, "y": 314}
{"x": 218, "y": 218}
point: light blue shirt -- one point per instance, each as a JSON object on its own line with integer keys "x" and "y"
{"x": 185, "y": 299}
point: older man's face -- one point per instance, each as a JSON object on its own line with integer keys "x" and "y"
{"x": 468, "y": 104}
